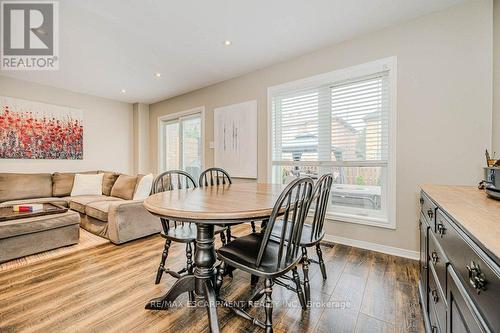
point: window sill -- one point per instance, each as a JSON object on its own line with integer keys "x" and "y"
{"x": 370, "y": 221}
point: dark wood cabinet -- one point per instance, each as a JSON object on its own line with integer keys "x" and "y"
{"x": 462, "y": 313}
{"x": 459, "y": 284}
{"x": 424, "y": 230}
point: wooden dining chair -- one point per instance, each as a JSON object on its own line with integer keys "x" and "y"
{"x": 214, "y": 176}
{"x": 173, "y": 231}
{"x": 312, "y": 233}
{"x": 218, "y": 176}
{"x": 258, "y": 255}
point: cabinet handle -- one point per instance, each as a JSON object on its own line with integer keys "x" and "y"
{"x": 441, "y": 229}
{"x": 434, "y": 329}
{"x": 476, "y": 278}
{"x": 430, "y": 213}
{"x": 421, "y": 201}
{"x": 434, "y": 257}
{"x": 435, "y": 296}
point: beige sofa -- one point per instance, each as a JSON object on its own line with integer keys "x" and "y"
{"x": 108, "y": 216}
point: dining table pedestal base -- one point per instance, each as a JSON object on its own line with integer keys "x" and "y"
{"x": 201, "y": 283}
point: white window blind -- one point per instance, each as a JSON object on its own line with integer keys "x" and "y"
{"x": 340, "y": 127}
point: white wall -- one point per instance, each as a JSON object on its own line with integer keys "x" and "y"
{"x": 107, "y": 132}
{"x": 496, "y": 78}
{"x": 444, "y": 105}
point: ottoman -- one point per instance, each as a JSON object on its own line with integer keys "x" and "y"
{"x": 22, "y": 237}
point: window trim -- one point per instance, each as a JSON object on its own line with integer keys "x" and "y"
{"x": 338, "y": 76}
{"x": 171, "y": 117}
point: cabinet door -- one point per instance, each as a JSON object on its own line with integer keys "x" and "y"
{"x": 424, "y": 277}
{"x": 462, "y": 314}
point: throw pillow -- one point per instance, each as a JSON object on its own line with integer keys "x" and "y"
{"x": 144, "y": 187}
{"x": 108, "y": 180}
{"x": 87, "y": 185}
{"x": 124, "y": 187}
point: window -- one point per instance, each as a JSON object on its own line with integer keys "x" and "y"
{"x": 342, "y": 123}
{"x": 181, "y": 145}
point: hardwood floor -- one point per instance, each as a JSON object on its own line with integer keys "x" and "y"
{"x": 105, "y": 288}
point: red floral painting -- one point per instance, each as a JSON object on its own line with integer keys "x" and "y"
{"x": 31, "y": 130}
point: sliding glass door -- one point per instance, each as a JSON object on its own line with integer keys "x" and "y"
{"x": 181, "y": 144}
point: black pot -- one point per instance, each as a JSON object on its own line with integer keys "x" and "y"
{"x": 491, "y": 182}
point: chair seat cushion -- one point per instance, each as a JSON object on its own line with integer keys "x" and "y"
{"x": 243, "y": 251}
{"x": 307, "y": 238}
{"x": 78, "y": 203}
{"x": 98, "y": 210}
{"x": 185, "y": 233}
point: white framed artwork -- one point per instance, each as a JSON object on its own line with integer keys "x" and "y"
{"x": 235, "y": 139}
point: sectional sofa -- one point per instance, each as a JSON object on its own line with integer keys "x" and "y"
{"x": 112, "y": 214}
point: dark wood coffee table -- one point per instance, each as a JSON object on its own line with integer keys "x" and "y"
{"x": 7, "y": 214}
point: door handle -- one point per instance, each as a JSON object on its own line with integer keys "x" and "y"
{"x": 434, "y": 257}
{"x": 476, "y": 278}
{"x": 435, "y": 295}
{"x": 441, "y": 229}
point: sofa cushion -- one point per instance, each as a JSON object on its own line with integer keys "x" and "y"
{"x": 94, "y": 226}
{"x": 108, "y": 180}
{"x": 78, "y": 203}
{"x": 124, "y": 187}
{"x": 36, "y": 224}
{"x": 98, "y": 210}
{"x": 15, "y": 186}
{"x": 62, "y": 182}
{"x": 58, "y": 201}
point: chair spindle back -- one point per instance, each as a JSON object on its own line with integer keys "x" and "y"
{"x": 320, "y": 197}
{"x": 171, "y": 180}
{"x": 214, "y": 176}
{"x": 292, "y": 206}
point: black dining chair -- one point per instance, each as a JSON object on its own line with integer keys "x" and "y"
{"x": 259, "y": 255}
{"x": 312, "y": 233}
{"x": 173, "y": 231}
{"x": 218, "y": 176}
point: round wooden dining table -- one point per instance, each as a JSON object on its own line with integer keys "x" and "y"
{"x": 206, "y": 207}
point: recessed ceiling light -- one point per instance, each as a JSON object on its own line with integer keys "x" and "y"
{"x": 227, "y": 42}
{"x": 123, "y": 91}
{"x": 157, "y": 74}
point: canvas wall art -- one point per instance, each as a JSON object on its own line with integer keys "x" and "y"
{"x": 33, "y": 130}
{"x": 235, "y": 135}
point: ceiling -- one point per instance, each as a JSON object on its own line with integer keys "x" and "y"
{"x": 107, "y": 46}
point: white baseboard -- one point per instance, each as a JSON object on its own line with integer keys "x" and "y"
{"x": 395, "y": 251}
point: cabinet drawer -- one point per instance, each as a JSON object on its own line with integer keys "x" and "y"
{"x": 480, "y": 276}
{"x": 424, "y": 230}
{"x": 438, "y": 261}
{"x": 435, "y": 328}
{"x": 428, "y": 209}
{"x": 462, "y": 313}
{"x": 438, "y": 300}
